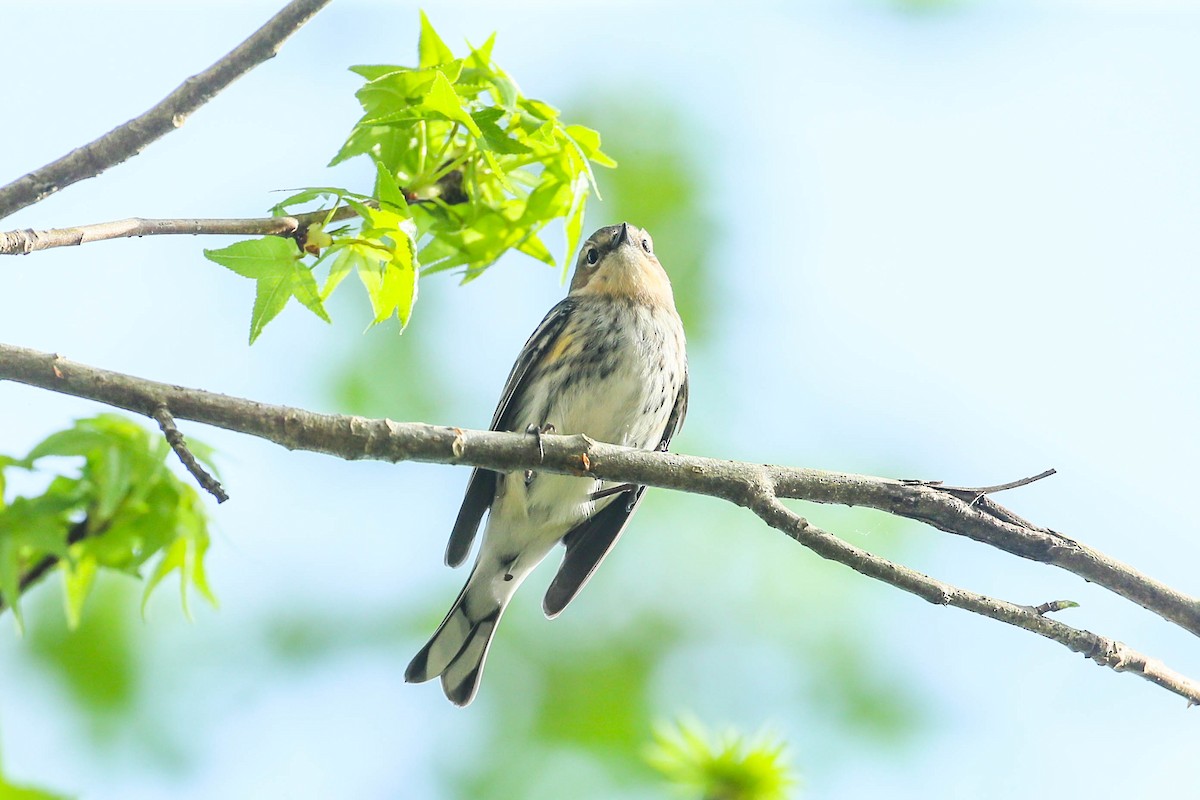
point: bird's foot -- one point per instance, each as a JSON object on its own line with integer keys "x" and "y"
{"x": 537, "y": 431}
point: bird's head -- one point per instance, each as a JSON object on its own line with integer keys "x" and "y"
{"x": 619, "y": 261}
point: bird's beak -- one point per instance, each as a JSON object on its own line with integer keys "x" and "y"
{"x": 623, "y": 236}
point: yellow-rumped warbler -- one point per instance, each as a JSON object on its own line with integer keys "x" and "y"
{"x": 608, "y": 361}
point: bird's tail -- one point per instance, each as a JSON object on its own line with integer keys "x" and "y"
{"x": 460, "y": 645}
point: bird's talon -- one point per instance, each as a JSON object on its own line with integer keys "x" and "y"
{"x": 537, "y": 431}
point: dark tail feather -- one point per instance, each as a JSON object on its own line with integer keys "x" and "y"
{"x": 460, "y": 646}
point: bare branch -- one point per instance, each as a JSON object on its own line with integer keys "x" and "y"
{"x": 24, "y": 242}
{"x": 131, "y": 138}
{"x": 754, "y": 486}
{"x": 1104, "y": 651}
{"x": 166, "y": 422}
{"x": 985, "y": 521}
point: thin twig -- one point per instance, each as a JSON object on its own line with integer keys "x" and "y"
{"x": 166, "y": 422}
{"x": 23, "y": 242}
{"x": 745, "y": 484}
{"x": 129, "y": 139}
{"x": 1000, "y": 487}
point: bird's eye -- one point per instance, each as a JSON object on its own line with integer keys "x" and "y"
{"x": 592, "y": 255}
{"x": 646, "y": 244}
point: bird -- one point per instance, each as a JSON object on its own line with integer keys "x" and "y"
{"x": 608, "y": 361}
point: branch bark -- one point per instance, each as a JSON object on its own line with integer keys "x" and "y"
{"x": 129, "y": 139}
{"x": 26, "y": 241}
{"x": 757, "y": 487}
{"x": 174, "y": 437}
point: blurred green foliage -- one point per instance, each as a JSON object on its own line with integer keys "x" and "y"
{"x": 121, "y": 509}
{"x": 96, "y": 660}
{"x": 411, "y": 386}
{"x": 467, "y": 168}
{"x": 101, "y": 664}
{"x": 725, "y": 767}
{"x": 11, "y": 791}
{"x": 553, "y": 701}
{"x": 660, "y": 187}
{"x": 922, "y": 7}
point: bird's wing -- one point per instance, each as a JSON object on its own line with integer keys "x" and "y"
{"x": 481, "y": 488}
{"x": 589, "y": 541}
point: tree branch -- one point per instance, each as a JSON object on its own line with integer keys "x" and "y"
{"x": 24, "y": 242}
{"x": 174, "y": 437}
{"x": 754, "y": 486}
{"x": 983, "y": 520}
{"x": 132, "y": 137}
{"x": 1104, "y": 651}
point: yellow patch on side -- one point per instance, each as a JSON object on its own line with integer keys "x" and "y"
{"x": 565, "y": 339}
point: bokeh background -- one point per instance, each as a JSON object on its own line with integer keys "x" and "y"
{"x": 924, "y": 239}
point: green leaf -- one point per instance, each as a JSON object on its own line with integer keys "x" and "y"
{"x": 574, "y": 224}
{"x": 173, "y": 559}
{"x": 341, "y": 265}
{"x": 78, "y": 580}
{"x": 443, "y": 100}
{"x": 533, "y": 246}
{"x": 271, "y": 294}
{"x": 431, "y": 48}
{"x": 373, "y": 71}
{"x": 494, "y": 137}
{"x": 327, "y": 194}
{"x": 391, "y": 281}
{"x": 10, "y": 578}
{"x": 588, "y": 141}
{"x": 113, "y": 478}
{"x": 483, "y": 168}
{"x": 304, "y": 288}
{"x": 538, "y": 109}
{"x": 76, "y": 441}
{"x": 387, "y": 190}
{"x": 197, "y": 572}
{"x": 372, "y": 139}
{"x": 255, "y": 257}
{"x": 274, "y": 263}
{"x": 32, "y": 528}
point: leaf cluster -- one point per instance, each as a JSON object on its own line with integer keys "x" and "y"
{"x": 467, "y": 168}
{"x": 726, "y": 767}
{"x": 122, "y": 508}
